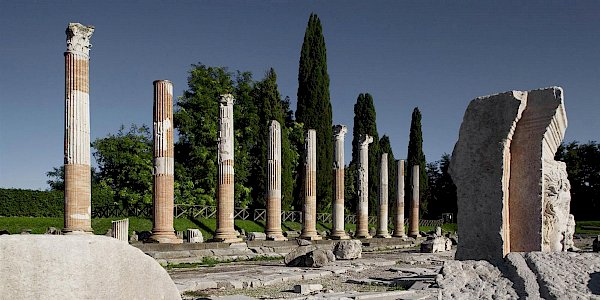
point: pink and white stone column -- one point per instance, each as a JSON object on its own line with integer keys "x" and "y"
{"x": 382, "y": 224}
{"x": 225, "y": 194}
{"x": 399, "y": 217}
{"x": 309, "y": 228}
{"x": 163, "y": 175}
{"x": 337, "y": 232}
{"x": 78, "y": 207}
{"x": 362, "y": 216}
{"x": 273, "y": 230}
{"x": 413, "y": 224}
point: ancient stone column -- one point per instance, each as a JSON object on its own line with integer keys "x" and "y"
{"x": 382, "y": 228}
{"x": 225, "y": 227}
{"x": 120, "y": 230}
{"x": 309, "y": 228}
{"x": 399, "y": 217}
{"x": 413, "y": 222}
{"x": 337, "y": 231}
{"x": 362, "y": 216}
{"x": 78, "y": 209}
{"x": 273, "y": 230}
{"x": 163, "y": 178}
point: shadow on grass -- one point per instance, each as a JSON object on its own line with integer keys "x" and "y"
{"x": 202, "y": 226}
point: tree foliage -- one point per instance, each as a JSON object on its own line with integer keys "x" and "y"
{"x": 583, "y": 169}
{"x": 365, "y": 123}
{"x": 442, "y": 190}
{"x": 125, "y": 164}
{"x": 314, "y": 106}
{"x": 415, "y": 156}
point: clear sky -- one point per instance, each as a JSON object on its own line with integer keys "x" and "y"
{"x": 437, "y": 55}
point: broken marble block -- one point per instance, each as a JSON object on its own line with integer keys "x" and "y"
{"x": 348, "y": 249}
{"x": 436, "y": 244}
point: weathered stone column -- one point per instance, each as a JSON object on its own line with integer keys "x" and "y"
{"x": 362, "y": 216}
{"x": 78, "y": 208}
{"x": 309, "y": 228}
{"x": 413, "y": 222}
{"x": 273, "y": 230}
{"x": 225, "y": 227}
{"x": 163, "y": 175}
{"x": 120, "y": 230}
{"x": 399, "y": 218}
{"x": 337, "y": 232}
{"x": 382, "y": 228}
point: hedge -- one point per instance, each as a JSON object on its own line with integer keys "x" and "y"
{"x": 31, "y": 203}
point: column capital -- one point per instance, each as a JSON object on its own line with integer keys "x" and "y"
{"x": 339, "y": 131}
{"x": 226, "y": 99}
{"x": 364, "y": 140}
{"x": 78, "y": 38}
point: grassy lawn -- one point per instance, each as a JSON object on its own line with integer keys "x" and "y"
{"x": 208, "y": 226}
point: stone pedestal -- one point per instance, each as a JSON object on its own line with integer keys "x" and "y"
{"x": 382, "y": 220}
{"x": 399, "y": 216}
{"x": 273, "y": 230}
{"x": 362, "y": 215}
{"x": 225, "y": 195}
{"x": 78, "y": 208}
{"x": 413, "y": 222}
{"x": 337, "y": 231}
{"x": 163, "y": 174}
{"x": 120, "y": 230}
{"x": 309, "y": 215}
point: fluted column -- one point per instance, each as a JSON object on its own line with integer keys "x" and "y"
{"x": 399, "y": 217}
{"x": 362, "y": 216}
{"x": 413, "y": 224}
{"x": 309, "y": 228}
{"x": 339, "y": 133}
{"x": 273, "y": 230}
{"x": 78, "y": 207}
{"x": 225, "y": 227}
{"x": 382, "y": 228}
{"x": 163, "y": 174}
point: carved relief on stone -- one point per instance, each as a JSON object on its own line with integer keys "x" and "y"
{"x": 557, "y": 198}
{"x": 78, "y": 38}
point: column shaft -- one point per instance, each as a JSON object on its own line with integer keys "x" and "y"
{"x": 337, "y": 232}
{"x": 309, "y": 228}
{"x": 78, "y": 209}
{"x": 413, "y": 225}
{"x": 399, "y": 217}
{"x": 273, "y": 230}
{"x": 362, "y": 216}
{"x": 382, "y": 228}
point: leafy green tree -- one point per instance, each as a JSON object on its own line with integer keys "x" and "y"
{"x": 57, "y": 178}
{"x": 196, "y": 120}
{"x": 270, "y": 107}
{"x": 101, "y": 194}
{"x": 386, "y": 147}
{"x": 583, "y": 169}
{"x": 416, "y": 156}
{"x": 314, "y": 106}
{"x": 442, "y": 190}
{"x": 365, "y": 123}
{"x": 125, "y": 164}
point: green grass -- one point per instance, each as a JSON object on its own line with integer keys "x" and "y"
{"x": 580, "y": 230}
{"x": 211, "y": 262}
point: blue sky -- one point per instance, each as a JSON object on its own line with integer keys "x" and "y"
{"x": 437, "y": 55}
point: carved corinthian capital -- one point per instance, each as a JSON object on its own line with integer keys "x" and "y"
{"x": 78, "y": 38}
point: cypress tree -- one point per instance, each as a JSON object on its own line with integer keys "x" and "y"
{"x": 416, "y": 156}
{"x": 365, "y": 122}
{"x": 314, "y": 106}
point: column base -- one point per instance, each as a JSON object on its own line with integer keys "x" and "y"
{"x": 164, "y": 238}
{"x": 383, "y": 235}
{"x": 311, "y": 237}
{"x": 414, "y": 235}
{"x": 339, "y": 235}
{"x": 227, "y": 240}
{"x": 71, "y": 231}
{"x": 276, "y": 237}
{"x": 399, "y": 235}
{"x": 362, "y": 236}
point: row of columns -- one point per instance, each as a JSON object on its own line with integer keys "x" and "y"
{"x": 78, "y": 172}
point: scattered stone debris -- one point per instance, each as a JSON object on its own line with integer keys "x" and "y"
{"x": 256, "y": 236}
{"x": 53, "y": 230}
{"x": 436, "y": 244}
{"x": 194, "y": 236}
{"x": 307, "y": 288}
{"x": 348, "y": 249}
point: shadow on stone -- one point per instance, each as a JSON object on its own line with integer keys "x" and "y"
{"x": 594, "y": 283}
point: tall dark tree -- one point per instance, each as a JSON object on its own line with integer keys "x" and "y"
{"x": 271, "y": 107}
{"x": 365, "y": 123}
{"x": 583, "y": 168}
{"x": 314, "y": 106}
{"x": 442, "y": 189}
{"x": 386, "y": 147}
{"x": 415, "y": 156}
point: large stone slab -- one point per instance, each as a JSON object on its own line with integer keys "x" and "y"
{"x": 480, "y": 168}
{"x": 474, "y": 280}
{"x": 79, "y": 267}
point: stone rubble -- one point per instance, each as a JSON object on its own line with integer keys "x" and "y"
{"x": 349, "y": 249}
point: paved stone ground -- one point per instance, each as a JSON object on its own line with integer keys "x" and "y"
{"x": 394, "y": 274}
